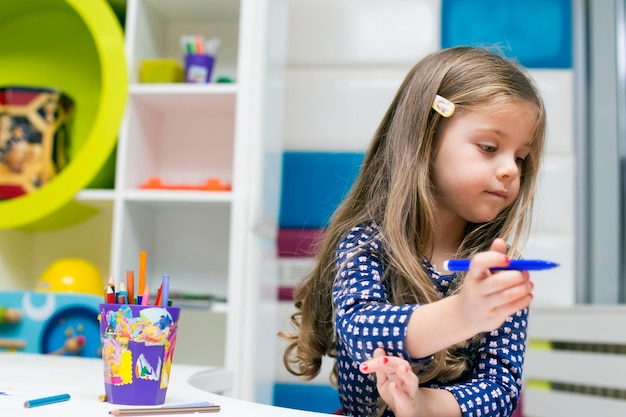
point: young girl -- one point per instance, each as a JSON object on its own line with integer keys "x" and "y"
{"x": 450, "y": 173}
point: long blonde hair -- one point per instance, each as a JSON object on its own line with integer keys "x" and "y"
{"x": 394, "y": 191}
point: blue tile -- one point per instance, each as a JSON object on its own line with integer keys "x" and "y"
{"x": 309, "y": 397}
{"x": 313, "y": 185}
{"x": 538, "y": 33}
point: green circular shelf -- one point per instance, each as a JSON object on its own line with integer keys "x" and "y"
{"x": 76, "y": 46}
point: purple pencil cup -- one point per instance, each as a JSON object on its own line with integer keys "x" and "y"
{"x": 198, "y": 68}
{"x": 137, "y": 351}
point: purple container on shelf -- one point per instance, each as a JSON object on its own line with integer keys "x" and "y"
{"x": 137, "y": 350}
{"x": 198, "y": 68}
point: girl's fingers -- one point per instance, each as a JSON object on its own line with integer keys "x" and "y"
{"x": 391, "y": 369}
{"x": 381, "y": 363}
{"x": 506, "y": 310}
{"x": 503, "y": 281}
{"x": 498, "y": 245}
{"x": 482, "y": 262}
{"x": 379, "y": 353}
{"x": 406, "y": 381}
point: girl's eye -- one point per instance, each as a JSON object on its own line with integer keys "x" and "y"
{"x": 520, "y": 160}
{"x": 488, "y": 148}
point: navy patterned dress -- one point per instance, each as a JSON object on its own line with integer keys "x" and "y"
{"x": 365, "y": 319}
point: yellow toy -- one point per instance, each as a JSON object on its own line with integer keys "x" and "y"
{"x": 71, "y": 275}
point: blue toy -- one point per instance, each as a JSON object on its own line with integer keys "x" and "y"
{"x": 51, "y": 323}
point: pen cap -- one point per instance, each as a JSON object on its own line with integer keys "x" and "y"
{"x": 137, "y": 351}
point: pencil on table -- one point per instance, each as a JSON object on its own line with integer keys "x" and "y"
{"x": 37, "y": 402}
{"x": 165, "y": 410}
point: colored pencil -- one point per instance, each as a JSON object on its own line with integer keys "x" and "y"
{"x": 46, "y": 400}
{"x": 157, "y": 300}
{"x": 142, "y": 271}
{"x": 121, "y": 294}
{"x": 145, "y": 299}
{"x": 165, "y": 293}
{"x": 165, "y": 410}
{"x": 110, "y": 295}
{"x": 130, "y": 286}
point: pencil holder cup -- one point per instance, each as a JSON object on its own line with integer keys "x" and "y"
{"x": 137, "y": 351}
{"x": 198, "y": 68}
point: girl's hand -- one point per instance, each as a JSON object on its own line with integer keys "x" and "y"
{"x": 488, "y": 298}
{"x": 397, "y": 385}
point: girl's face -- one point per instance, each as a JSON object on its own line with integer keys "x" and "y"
{"x": 478, "y": 160}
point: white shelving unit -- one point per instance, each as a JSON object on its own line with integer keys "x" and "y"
{"x": 222, "y": 243}
{"x": 217, "y": 243}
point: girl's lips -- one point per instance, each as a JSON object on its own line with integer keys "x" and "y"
{"x": 501, "y": 194}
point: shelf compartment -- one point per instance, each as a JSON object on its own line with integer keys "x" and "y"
{"x": 156, "y": 27}
{"x": 189, "y": 242}
{"x": 179, "y": 137}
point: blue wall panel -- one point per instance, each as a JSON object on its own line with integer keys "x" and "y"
{"x": 538, "y": 33}
{"x": 310, "y": 397}
{"x": 313, "y": 185}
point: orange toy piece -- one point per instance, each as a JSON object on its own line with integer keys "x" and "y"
{"x": 10, "y": 315}
{"x": 211, "y": 184}
{"x": 73, "y": 345}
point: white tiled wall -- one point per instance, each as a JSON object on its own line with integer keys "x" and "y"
{"x": 553, "y": 230}
{"x": 345, "y": 61}
{"x": 366, "y": 33}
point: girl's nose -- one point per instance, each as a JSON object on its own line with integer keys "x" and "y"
{"x": 508, "y": 168}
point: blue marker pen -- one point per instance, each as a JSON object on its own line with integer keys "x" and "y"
{"x": 516, "y": 264}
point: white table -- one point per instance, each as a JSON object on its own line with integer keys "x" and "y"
{"x": 26, "y": 375}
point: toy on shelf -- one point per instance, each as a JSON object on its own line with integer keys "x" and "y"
{"x": 161, "y": 71}
{"x": 73, "y": 345}
{"x": 34, "y": 137}
{"x": 60, "y": 323}
{"x": 10, "y": 315}
{"x": 71, "y": 275}
{"x": 211, "y": 184}
{"x": 12, "y": 344}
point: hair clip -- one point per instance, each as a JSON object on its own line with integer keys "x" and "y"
{"x": 443, "y": 106}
